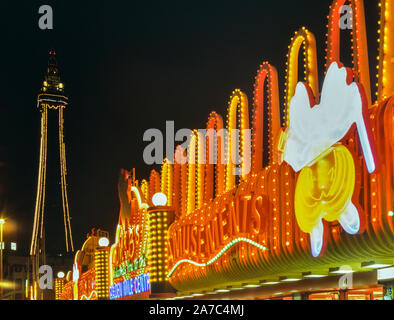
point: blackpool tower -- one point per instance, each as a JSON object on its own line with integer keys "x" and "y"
{"x": 50, "y": 99}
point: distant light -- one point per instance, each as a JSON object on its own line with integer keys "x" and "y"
{"x": 313, "y": 275}
{"x": 251, "y": 285}
{"x": 289, "y": 279}
{"x": 341, "y": 270}
{"x": 2, "y": 221}
{"x": 378, "y": 265}
{"x": 391, "y": 214}
{"x": 374, "y": 265}
{"x": 197, "y": 294}
{"x": 159, "y": 199}
{"x": 103, "y": 242}
{"x": 222, "y": 290}
{"x": 13, "y": 246}
{"x": 60, "y": 274}
{"x": 7, "y": 284}
{"x": 2, "y": 245}
{"x": 386, "y": 274}
{"x": 270, "y": 282}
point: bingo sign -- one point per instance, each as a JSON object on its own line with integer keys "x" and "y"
{"x": 129, "y": 287}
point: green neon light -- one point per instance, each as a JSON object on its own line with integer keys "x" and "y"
{"x": 221, "y": 252}
{"x": 128, "y": 267}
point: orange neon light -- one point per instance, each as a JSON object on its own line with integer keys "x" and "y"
{"x": 167, "y": 180}
{"x": 215, "y": 167}
{"x": 359, "y": 42}
{"x": 238, "y": 105}
{"x": 307, "y": 40}
{"x": 266, "y": 74}
{"x": 386, "y": 48}
{"x": 180, "y": 182}
{"x": 214, "y": 210}
{"x": 154, "y": 183}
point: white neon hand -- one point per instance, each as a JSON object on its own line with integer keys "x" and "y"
{"x": 350, "y": 219}
{"x": 317, "y": 239}
{"x": 365, "y": 145}
{"x": 313, "y": 129}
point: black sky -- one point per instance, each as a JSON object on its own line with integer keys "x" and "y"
{"x": 129, "y": 66}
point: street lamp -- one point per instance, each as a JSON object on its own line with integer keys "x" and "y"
{"x": 2, "y": 221}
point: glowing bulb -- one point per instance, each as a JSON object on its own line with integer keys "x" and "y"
{"x": 60, "y": 274}
{"x": 103, "y": 242}
{"x": 159, "y": 199}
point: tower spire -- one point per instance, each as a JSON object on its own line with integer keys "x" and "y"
{"x": 52, "y": 83}
{"x": 51, "y": 97}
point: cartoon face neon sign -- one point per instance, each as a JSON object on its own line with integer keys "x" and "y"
{"x": 326, "y": 182}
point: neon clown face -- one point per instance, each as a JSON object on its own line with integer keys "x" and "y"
{"x": 326, "y": 182}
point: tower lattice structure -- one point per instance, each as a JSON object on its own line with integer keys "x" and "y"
{"x": 50, "y": 99}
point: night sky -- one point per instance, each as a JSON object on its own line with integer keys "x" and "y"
{"x": 129, "y": 66}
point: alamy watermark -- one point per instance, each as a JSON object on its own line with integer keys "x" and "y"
{"x": 345, "y": 282}
{"x": 46, "y": 20}
{"x": 235, "y": 147}
{"x": 45, "y": 281}
{"x": 346, "y": 17}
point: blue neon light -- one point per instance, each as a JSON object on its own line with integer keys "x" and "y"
{"x": 130, "y": 287}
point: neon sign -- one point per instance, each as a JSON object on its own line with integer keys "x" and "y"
{"x": 231, "y": 218}
{"x": 322, "y": 170}
{"x": 129, "y": 267}
{"x": 130, "y": 287}
{"x": 128, "y": 255}
{"x": 326, "y": 183}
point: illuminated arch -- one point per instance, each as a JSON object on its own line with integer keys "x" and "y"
{"x": 195, "y": 172}
{"x": 145, "y": 189}
{"x": 238, "y": 104}
{"x": 166, "y": 185}
{"x": 386, "y": 50}
{"x": 307, "y": 39}
{"x": 180, "y": 182}
{"x": 215, "y": 153}
{"x": 266, "y": 74}
{"x": 359, "y": 39}
{"x": 154, "y": 183}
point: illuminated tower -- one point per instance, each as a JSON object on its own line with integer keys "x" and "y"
{"x": 50, "y": 99}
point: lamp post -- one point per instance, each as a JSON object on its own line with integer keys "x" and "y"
{"x": 161, "y": 215}
{"x": 2, "y": 221}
